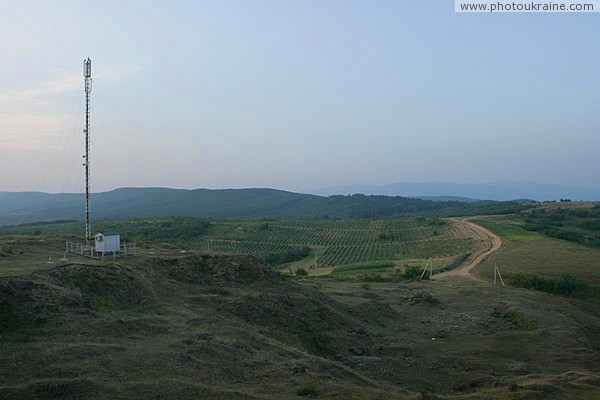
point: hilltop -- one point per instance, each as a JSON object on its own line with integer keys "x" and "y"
{"x": 21, "y": 207}
{"x": 499, "y": 191}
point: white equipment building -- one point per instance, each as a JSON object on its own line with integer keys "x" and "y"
{"x": 109, "y": 242}
{"x": 105, "y": 244}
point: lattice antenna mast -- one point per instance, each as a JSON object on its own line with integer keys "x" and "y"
{"x": 87, "y": 74}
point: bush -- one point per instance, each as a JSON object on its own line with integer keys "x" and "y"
{"x": 308, "y": 390}
{"x": 37, "y": 232}
{"x": 248, "y": 296}
{"x": 435, "y": 222}
{"x": 386, "y": 236}
{"x": 286, "y": 256}
{"x": 219, "y": 291}
{"x": 412, "y": 272}
{"x": 301, "y": 272}
{"x": 7, "y": 249}
{"x": 126, "y": 237}
{"x": 566, "y": 284}
{"x": 376, "y": 278}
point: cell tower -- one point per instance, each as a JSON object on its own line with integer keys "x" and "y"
{"x": 103, "y": 243}
{"x": 87, "y": 74}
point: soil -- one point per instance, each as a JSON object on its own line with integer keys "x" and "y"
{"x": 491, "y": 244}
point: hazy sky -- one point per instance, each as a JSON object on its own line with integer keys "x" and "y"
{"x": 296, "y": 94}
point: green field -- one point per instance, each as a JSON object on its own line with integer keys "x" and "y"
{"x": 533, "y": 253}
{"x": 375, "y": 267}
{"x": 507, "y": 228}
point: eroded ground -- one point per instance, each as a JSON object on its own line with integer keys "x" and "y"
{"x": 228, "y": 327}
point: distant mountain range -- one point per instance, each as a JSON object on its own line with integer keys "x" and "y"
{"x": 499, "y": 191}
{"x": 21, "y": 207}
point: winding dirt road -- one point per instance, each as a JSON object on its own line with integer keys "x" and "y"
{"x": 492, "y": 242}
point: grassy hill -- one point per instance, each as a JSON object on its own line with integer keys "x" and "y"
{"x": 226, "y": 327}
{"x": 16, "y": 208}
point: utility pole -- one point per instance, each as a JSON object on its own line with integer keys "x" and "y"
{"x": 497, "y": 272}
{"x": 429, "y": 266}
{"x": 87, "y": 74}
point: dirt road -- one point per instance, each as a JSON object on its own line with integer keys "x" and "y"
{"x": 492, "y": 242}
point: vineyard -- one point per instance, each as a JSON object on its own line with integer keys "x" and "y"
{"x": 342, "y": 242}
{"x": 335, "y": 242}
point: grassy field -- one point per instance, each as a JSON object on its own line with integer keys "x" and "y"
{"x": 507, "y": 228}
{"x": 539, "y": 257}
{"x": 375, "y": 267}
{"x": 533, "y": 253}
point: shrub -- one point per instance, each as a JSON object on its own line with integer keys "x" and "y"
{"x": 37, "y": 232}
{"x": 263, "y": 227}
{"x": 126, "y": 237}
{"x": 377, "y": 278}
{"x": 250, "y": 295}
{"x": 386, "y": 236}
{"x": 7, "y": 249}
{"x": 219, "y": 291}
{"x": 566, "y": 284}
{"x": 301, "y": 272}
{"x": 308, "y": 390}
{"x": 412, "y": 272}
{"x": 289, "y": 255}
{"x": 436, "y": 222}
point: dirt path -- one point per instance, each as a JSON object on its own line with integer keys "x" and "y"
{"x": 493, "y": 244}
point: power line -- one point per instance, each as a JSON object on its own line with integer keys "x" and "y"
{"x": 61, "y": 195}
{"x": 110, "y": 114}
{"x": 51, "y": 166}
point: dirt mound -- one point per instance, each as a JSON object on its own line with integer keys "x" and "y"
{"x": 25, "y": 302}
{"x": 422, "y": 296}
{"x": 216, "y": 269}
{"x": 112, "y": 283}
{"x": 31, "y": 300}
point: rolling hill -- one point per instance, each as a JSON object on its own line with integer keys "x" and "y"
{"x": 498, "y": 191}
{"x": 21, "y": 207}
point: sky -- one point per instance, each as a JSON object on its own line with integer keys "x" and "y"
{"x": 295, "y": 94}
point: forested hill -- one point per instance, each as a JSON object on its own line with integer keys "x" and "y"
{"x": 23, "y": 207}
